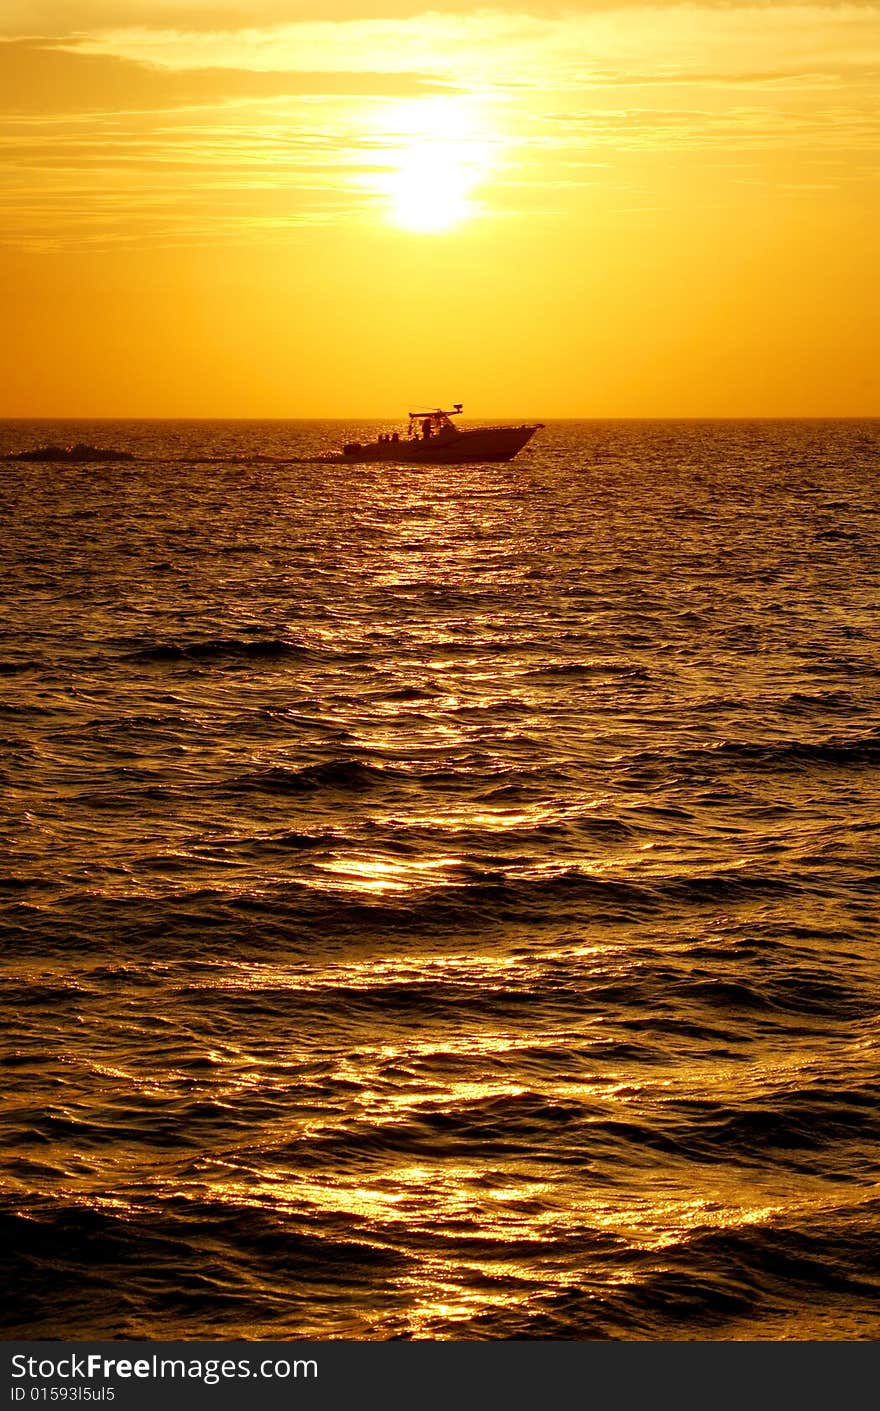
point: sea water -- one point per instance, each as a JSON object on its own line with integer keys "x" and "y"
{"x": 441, "y": 902}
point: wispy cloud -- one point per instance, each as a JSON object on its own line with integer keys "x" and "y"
{"x": 45, "y": 17}
{"x": 526, "y": 45}
{"x": 38, "y": 78}
{"x": 70, "y": 17}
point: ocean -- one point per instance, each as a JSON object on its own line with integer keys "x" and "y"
{"x": 441, "y": 902}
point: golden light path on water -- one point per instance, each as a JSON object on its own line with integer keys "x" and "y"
{"x": 439, "y": 1199}
{"x": 529, "y": 1208}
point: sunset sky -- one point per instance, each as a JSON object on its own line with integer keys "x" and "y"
{"x": 334, "y": 207}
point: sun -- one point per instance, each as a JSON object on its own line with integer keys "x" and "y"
{"x": 438, "y": 157}
{"x": 430, "y": 189}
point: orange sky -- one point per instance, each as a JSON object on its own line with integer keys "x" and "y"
{"x": 293, "y": 208}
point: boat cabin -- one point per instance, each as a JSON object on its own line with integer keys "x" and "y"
{"x": 437, "y": 423}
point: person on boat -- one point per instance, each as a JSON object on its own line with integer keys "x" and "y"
{"x": 426, "y": 428}
{"x": 395, "y": 438}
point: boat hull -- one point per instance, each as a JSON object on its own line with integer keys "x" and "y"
{"x": 491, "y": 443}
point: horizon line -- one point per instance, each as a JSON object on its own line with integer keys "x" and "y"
{"x": 483, "y": 416}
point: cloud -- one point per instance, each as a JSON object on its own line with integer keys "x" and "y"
{"x": 790, "y": 79}
{"x": 70, "y": 17}
{"x": 536, "y": 50}
{"x": 67, "y": 18}
{"x": 37, "y": 79}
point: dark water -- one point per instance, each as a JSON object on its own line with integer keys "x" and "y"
{"x": 442, "y": 903}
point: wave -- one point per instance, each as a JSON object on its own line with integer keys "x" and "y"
{"x": 862, "y": 749}
{"x": 303, "y": 907}
{"x": 191, "y": 1265}
{"x": 336, "y": 775}
{"x": 765, "y": 754}
{"x": 153, "y": 1267}
{"x": 220, "y": 649}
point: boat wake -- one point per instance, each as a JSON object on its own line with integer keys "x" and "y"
{"x": 79, "y": 454}
{"x": 317, "y": 459}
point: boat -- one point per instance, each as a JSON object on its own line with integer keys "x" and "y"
{"x": 432, "y": 438}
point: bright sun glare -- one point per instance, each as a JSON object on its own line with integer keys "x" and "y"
{"x": 429, "y": 190}
{"x": 438, "y": 157}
